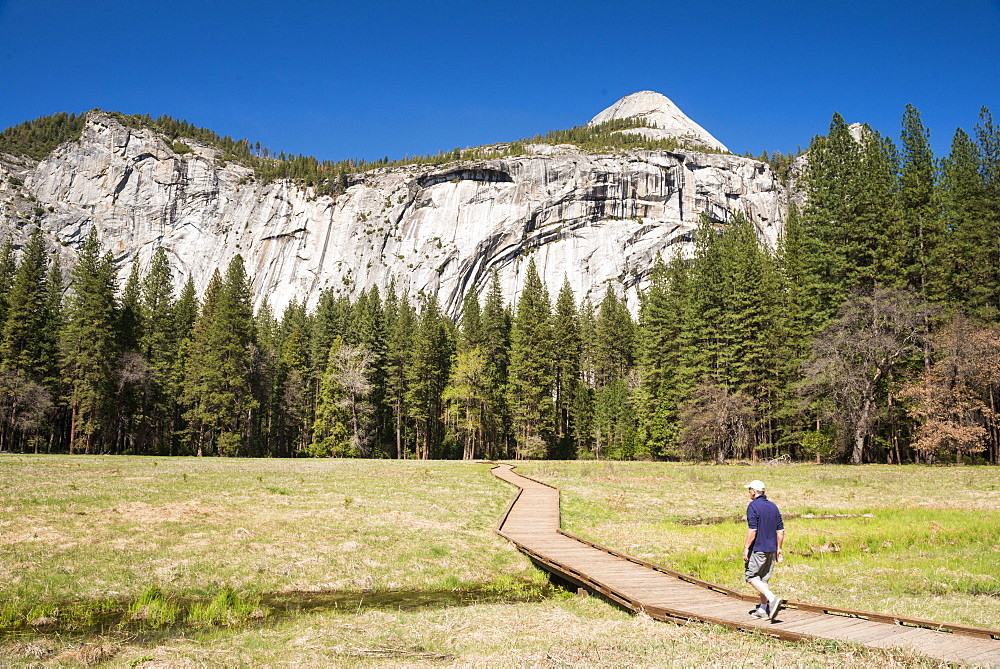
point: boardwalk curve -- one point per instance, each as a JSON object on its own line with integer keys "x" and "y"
{"x": 532, "y": 524}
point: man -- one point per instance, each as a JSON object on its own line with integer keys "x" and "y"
{"x": 762, "y": 548}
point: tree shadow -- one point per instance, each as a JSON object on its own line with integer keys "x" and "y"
{"x": 81, "y": 621}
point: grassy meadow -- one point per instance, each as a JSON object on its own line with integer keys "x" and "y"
{"x": 127, "y": 561}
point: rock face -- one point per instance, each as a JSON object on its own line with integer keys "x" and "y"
{"x": 589, "y": 219}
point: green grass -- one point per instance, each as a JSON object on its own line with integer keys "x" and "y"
{"x": 178, "y": 561}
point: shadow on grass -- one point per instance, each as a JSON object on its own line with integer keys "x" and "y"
{"x": 143, "y": 621}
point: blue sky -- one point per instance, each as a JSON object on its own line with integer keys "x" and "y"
{"x": 375, "y": 78}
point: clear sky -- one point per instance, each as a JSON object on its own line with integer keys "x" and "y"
{"x": 370, "y": 78}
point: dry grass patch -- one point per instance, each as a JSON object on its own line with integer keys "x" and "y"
{"x": 373, "y": 563}
{"x": 571, "y": 632}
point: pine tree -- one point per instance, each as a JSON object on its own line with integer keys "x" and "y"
{"x": 466, "y": 397}
{"x": 25, "y": 354}
{"x": 132, "y": 374}
{"x": 130, "y": 323}
{"x": 756, "y": 320}
{"x": 237, "y": 340}
{"x": 186, "y": 310}
{"x": 614, "y": 354}
{"x": 271, "y": 431}
{"x": 922, "y": 231}
{"x": 53, "y": 320}
{"x": 496, "y": 322}
{"x": 988, "y": 140}
{"x": 706, "y": 341}
{"x": 566, "y": 381}
{"x": 331, "y": 437}
{"x": 401, "y": 322}
{"x": 88, "y": 345}
{"x": 218, "y": 380}
{"x": 710, "y": 332}
{"x": 293, "y": 387}
{"x": 22, "y": 346}
{"x": 427, "y": 376}
{"x": 472, "y": 335}
{"x": 201, "y": 373}
{"x": 370, "y": 335}
{"x": 531, "y": 369}
{"x": 851, "y": 222}
{"x": 467, "y": 394}
{"x": 158, "y": 346}
{"x": 969, "y": 274}
{"x": 792, "y": 335}
{"x": 8, "y": 266}
{"x": 664, "y": 331}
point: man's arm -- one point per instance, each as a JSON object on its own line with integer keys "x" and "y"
{"x": 751, "y": 535}
{"x": 781, "y": 540}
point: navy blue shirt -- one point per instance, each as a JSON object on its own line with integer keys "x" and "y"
{"x": 763, "y": 516}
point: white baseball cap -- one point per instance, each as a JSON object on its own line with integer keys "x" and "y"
{"x": 756, "y": 484}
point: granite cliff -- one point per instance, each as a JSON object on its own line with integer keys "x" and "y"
{"x": 590, "y": 218}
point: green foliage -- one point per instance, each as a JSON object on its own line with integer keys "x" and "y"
{"x": 27, "y": 325}
{"x": 531, "y": 368}
{"x": 89, "y": 345}
{"x": 427, "y": 371}
{"x": 218, "y": 385}
{"x": 227, "y": 608}
{"x": 613, "y": 136}
{"x": 567, "y": 381}
{"x": 851, "y": 223}
{"x": 781, "y": 163}
{"x": 154, "y": 609}
{"x": 37, "y": 138}
{"x": 817, "y": 444}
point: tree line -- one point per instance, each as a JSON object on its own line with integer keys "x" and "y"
{"x": 37, "y": 138}
{"x": 869, "y": 334}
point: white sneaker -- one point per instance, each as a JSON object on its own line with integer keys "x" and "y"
{"x": 774, "y": 606}
{"x": 759, "y": 612}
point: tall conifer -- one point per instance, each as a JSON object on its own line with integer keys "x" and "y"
{"x": 496, "y": 323}
{"x": 566, "y": 380}
{"x": 531, "y": 369}
{"x": 970, "y": 274}
{"x": 88, "y": 346}
{"x": 22, "y": 346}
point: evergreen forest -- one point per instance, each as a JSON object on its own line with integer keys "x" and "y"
{"x": 870, "y": 334}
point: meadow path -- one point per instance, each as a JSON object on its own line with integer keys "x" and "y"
{"x": 532, "y": 523}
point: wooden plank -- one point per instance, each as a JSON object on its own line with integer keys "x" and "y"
{"x": 914, "y": 638}
{"x": 826, "y": 626}
{"x": 734, "y": 611}
{"x": 966, "y": 649}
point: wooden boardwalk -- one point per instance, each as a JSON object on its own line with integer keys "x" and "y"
{"x": 532, "y": 523}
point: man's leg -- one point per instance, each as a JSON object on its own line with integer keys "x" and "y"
{"x": 758, "y": 573}
{"x": 760, "y": 586}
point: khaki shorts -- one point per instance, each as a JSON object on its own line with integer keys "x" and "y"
{"x": 760, "y": 565}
